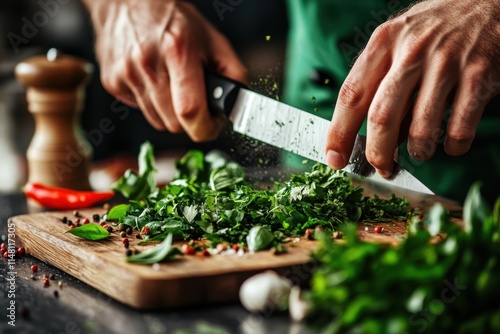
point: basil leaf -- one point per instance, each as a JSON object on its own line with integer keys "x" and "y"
{"x": 161, "y": 252}
{"x": 137, "y": 187}
{"x": 118, "y": 212}
{"x": 259, "y": 238}
{"x": 92, "y": 232}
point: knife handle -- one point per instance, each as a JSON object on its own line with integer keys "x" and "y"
{"x": 221, "y": 93}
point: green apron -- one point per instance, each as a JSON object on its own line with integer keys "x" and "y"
{"x": 325, "y": 37}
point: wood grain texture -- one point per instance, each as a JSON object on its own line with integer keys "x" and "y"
{"x": 186, "y": 281}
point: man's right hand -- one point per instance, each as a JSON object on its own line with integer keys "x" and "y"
{"x": 153, "y": 54}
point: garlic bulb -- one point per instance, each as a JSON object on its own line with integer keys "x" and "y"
{"x": 265, "y": 292}
{"x": 298, "y": 308}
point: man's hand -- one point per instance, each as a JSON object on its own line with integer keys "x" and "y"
{"x": 152, "y": 55}
{"x": 443, "y": 50}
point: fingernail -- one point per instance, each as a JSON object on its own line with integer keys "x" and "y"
{"x": 335, "y": 159}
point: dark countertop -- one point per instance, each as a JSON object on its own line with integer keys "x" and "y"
{"x": 79, "y": 308}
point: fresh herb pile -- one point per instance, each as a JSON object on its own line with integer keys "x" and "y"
{"x": 210, "y": 198}
{"x": 426, "y": 285}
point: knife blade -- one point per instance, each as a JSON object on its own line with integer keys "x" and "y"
{"x": 294, "y": 130}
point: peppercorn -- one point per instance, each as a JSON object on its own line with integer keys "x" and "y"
{"x": 126, "y": 245}
{"x": 56, "y": 293}
{"x": 110, "y": 229}
{"x": 69, "y": 222}
{"x": 60, "y": 284}
{"x": 190, "y": 250}
{"x": 125, "y": 240}
{"x": 76, "y": 213}
{"x": 86, "y": 221}
{"x": 379, "y": 229}
{"x": 52, "y": 277}
{"x": 102, "y": 224}
{"x": 145, "y": 230}
{"x": 309, "y": 235}
{"x": 64, "y": 220}
{"x": 77, "y": 221}
{"x": 46, "y": 282}
{"x": 205, "y": 252}
{"x": 123, "y": 234}
{"x": 138, "y": 236}
{"x": 235, "y": 247}
{"x": 96, "y": 217}
{"x": 129, "y": 230}
{"x": 121, "y": 227}
{"x": 72, "y": 226}
{"x": 21, "y": 251}
{"x": 6, "y": 254}
{"x": 128, "y": 252}
{"x": 34, "y": 268}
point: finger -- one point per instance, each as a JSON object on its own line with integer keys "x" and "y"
{"x": 354, "y": 99}
{"x": 137, "y": 87}
{"x": 425, "y": 130}
{"x": 386, "y": 114}
{"x": 471, "y": 97}
{"x": 157, "y": 83}
{"x": 187, "y": 86}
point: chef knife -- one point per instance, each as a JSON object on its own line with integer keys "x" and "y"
{"x": 291, "y": 129}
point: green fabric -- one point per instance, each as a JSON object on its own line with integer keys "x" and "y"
{"x": 327, "y": 35}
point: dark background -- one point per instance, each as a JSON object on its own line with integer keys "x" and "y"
{"x": 70, "y": 31}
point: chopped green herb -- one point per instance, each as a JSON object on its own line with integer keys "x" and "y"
{"x": 210, "y": 198}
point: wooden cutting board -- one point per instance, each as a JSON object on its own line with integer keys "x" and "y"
{"x": 191, "y": 279}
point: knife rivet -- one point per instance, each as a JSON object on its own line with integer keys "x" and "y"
{"x": 218, "y": 91}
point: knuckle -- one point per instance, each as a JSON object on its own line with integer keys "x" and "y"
{"x": 382, "y": 33}
{"x": 380, "y": 116}
{"x": 351, "y": 94}
{"x": 376, "y": 160}
{"x": 144, "y": 56}
{"x": 460, "y": 138}
{"x": 187, "y": 110}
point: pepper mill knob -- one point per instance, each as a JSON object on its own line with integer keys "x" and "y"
{"x": 58, "y": 154}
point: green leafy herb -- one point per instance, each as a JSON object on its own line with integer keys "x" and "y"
{"x": 92, "y": 232}
{"x": 209, "y": 197}
{"x": 118, "y": 212}
{"x": 421, "y": 286}
{"x": 161, "y": 252}
{"x": 259, "y": 238}
{"x": 138, "y": 186}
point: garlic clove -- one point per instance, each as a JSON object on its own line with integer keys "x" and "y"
{"x": 297, "y": 307}
{"x": 265, "y": 292}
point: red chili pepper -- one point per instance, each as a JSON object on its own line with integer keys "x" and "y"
{"x": 64, "y": 198}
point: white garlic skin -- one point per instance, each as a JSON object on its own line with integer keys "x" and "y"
{"x": 265, "y": 292}
{"x": 297, "y": 307}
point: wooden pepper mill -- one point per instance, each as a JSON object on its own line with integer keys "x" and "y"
{"x": 58, "y": 154}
